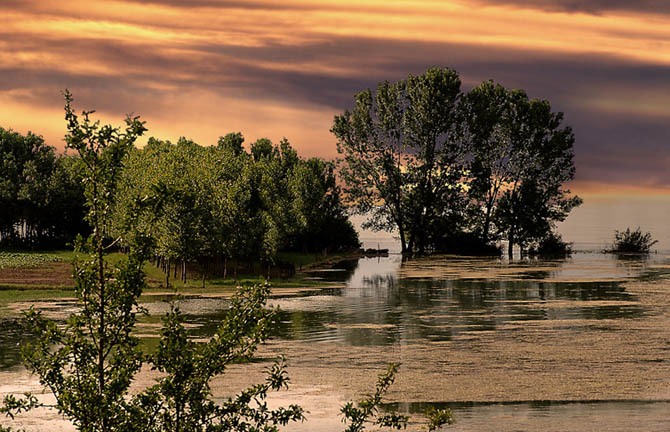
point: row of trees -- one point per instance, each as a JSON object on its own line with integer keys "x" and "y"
{"x": 221, "y": 203}
{"x": 217, "y": 203}
{"x": 41, "y": 193}
{"x": 455, "y": 171}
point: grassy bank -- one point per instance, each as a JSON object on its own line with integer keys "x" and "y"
{"x": 34, "y": 275}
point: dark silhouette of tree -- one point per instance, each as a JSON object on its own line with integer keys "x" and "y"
{"x": 401, "y": 155}
{"x": 41, "y": 194}
{"x": 444, "y": 168}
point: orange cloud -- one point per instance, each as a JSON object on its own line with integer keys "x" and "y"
{"x": 207, "y": 67}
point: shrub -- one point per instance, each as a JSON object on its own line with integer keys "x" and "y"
{"x": 465, "y": 243}
{"x": 551, "y": 246}
{"x": 632, "y": 242}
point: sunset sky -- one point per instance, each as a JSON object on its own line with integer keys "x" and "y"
{"x": 285, "y": 68}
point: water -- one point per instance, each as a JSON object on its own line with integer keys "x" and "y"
{"x": 575, "y": 344}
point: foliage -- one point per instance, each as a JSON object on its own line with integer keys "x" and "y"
{"x": 182, "y": 401}
{"x": 424, "y": 158}
{"x": 366, "y": 411}
{"x": 89, "y": 362}
{"x": 551, "y": 246}
{"x": 632, "y": 242}
{"x": 400, "y": 155}
{"x": 41, "y": 194}
{"x": 12, "y": 259}
{"x": 438, "y": 418}
{"x": 222, "y": 204}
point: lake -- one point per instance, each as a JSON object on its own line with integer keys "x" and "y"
{"x": 576, "y": 344}
{"x": 582, "y": 343}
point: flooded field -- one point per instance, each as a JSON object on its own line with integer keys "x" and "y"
{"x": 576, "y": 344}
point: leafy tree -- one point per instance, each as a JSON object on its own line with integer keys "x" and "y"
{"x": 484, "y": 110}
{"x": 366, "y": 411}
{"x": 40, "y": 193}
{"x": 232, "y": 142}
{"x": 88, "y": 364}
{"x": 401, "y": 158}
{"x": 182, "y": 400}
{"x": 542, "y": 161}
{"x": 440, "y": 166}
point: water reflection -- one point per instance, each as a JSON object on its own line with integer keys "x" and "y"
{"x": 12, "y": 336}
{"x": 609, "y": 415}
{"x": 389, "y": 301}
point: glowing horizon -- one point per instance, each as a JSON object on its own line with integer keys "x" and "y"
{"x": 269, "y": 70}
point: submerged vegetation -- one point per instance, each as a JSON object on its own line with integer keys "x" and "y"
{"x": 551, "y": 246}
{"x": 631, "y": 242}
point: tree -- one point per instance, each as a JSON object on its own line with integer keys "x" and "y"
{"x": 89, "y": 363}
{"x": 41, "y": 194}
{"x": 542, "y": 160}
{"x": 401, "y": 155}
{"x": 442, "y": 167}
{"x": 484, "y": 110}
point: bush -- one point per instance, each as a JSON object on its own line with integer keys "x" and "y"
{"x": 632, "y": 242}
{"x": 465, "y": 243}
{"x": 551, "y": 246}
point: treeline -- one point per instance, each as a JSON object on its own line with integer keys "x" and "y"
{"x": 228, "y": 209}
{"x": 221, "y": 207}
{"x": 41, "y": 193}
{"x": 453, "y": 171}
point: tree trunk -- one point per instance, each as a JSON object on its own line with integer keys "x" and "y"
{"x": 487, "y": 223}
{"x": 510, "y": 245}
{"x": 403, "y": 242}
{"x": 167, "y": 274}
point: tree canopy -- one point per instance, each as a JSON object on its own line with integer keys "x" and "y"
{"x": 222, "y": 202}
{"x": 454, "y": 171}
{"x": 41, "y": 193}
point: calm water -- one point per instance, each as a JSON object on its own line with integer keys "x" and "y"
{"x": 535, "y": 329}
{"x": 575, "y": 344}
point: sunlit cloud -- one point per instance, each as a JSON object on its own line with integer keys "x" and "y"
{"x": 273, "y": 69}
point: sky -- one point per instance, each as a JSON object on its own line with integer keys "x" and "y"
{"x": 203, "y": 68}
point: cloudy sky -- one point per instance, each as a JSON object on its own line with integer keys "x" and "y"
{"x": 203, "y": 68}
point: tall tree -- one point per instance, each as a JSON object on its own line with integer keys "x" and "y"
{"x": 542, "y": 161}
{"x": 485, "y": 109}
{"x": 88, "y": 364}
{"x": 437, "y": 165}
{"x": 401, "y": 154}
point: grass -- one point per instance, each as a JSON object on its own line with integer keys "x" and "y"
{"x": 16, "y": 292}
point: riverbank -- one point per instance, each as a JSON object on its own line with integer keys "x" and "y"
{"x": 28, "y": 276}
